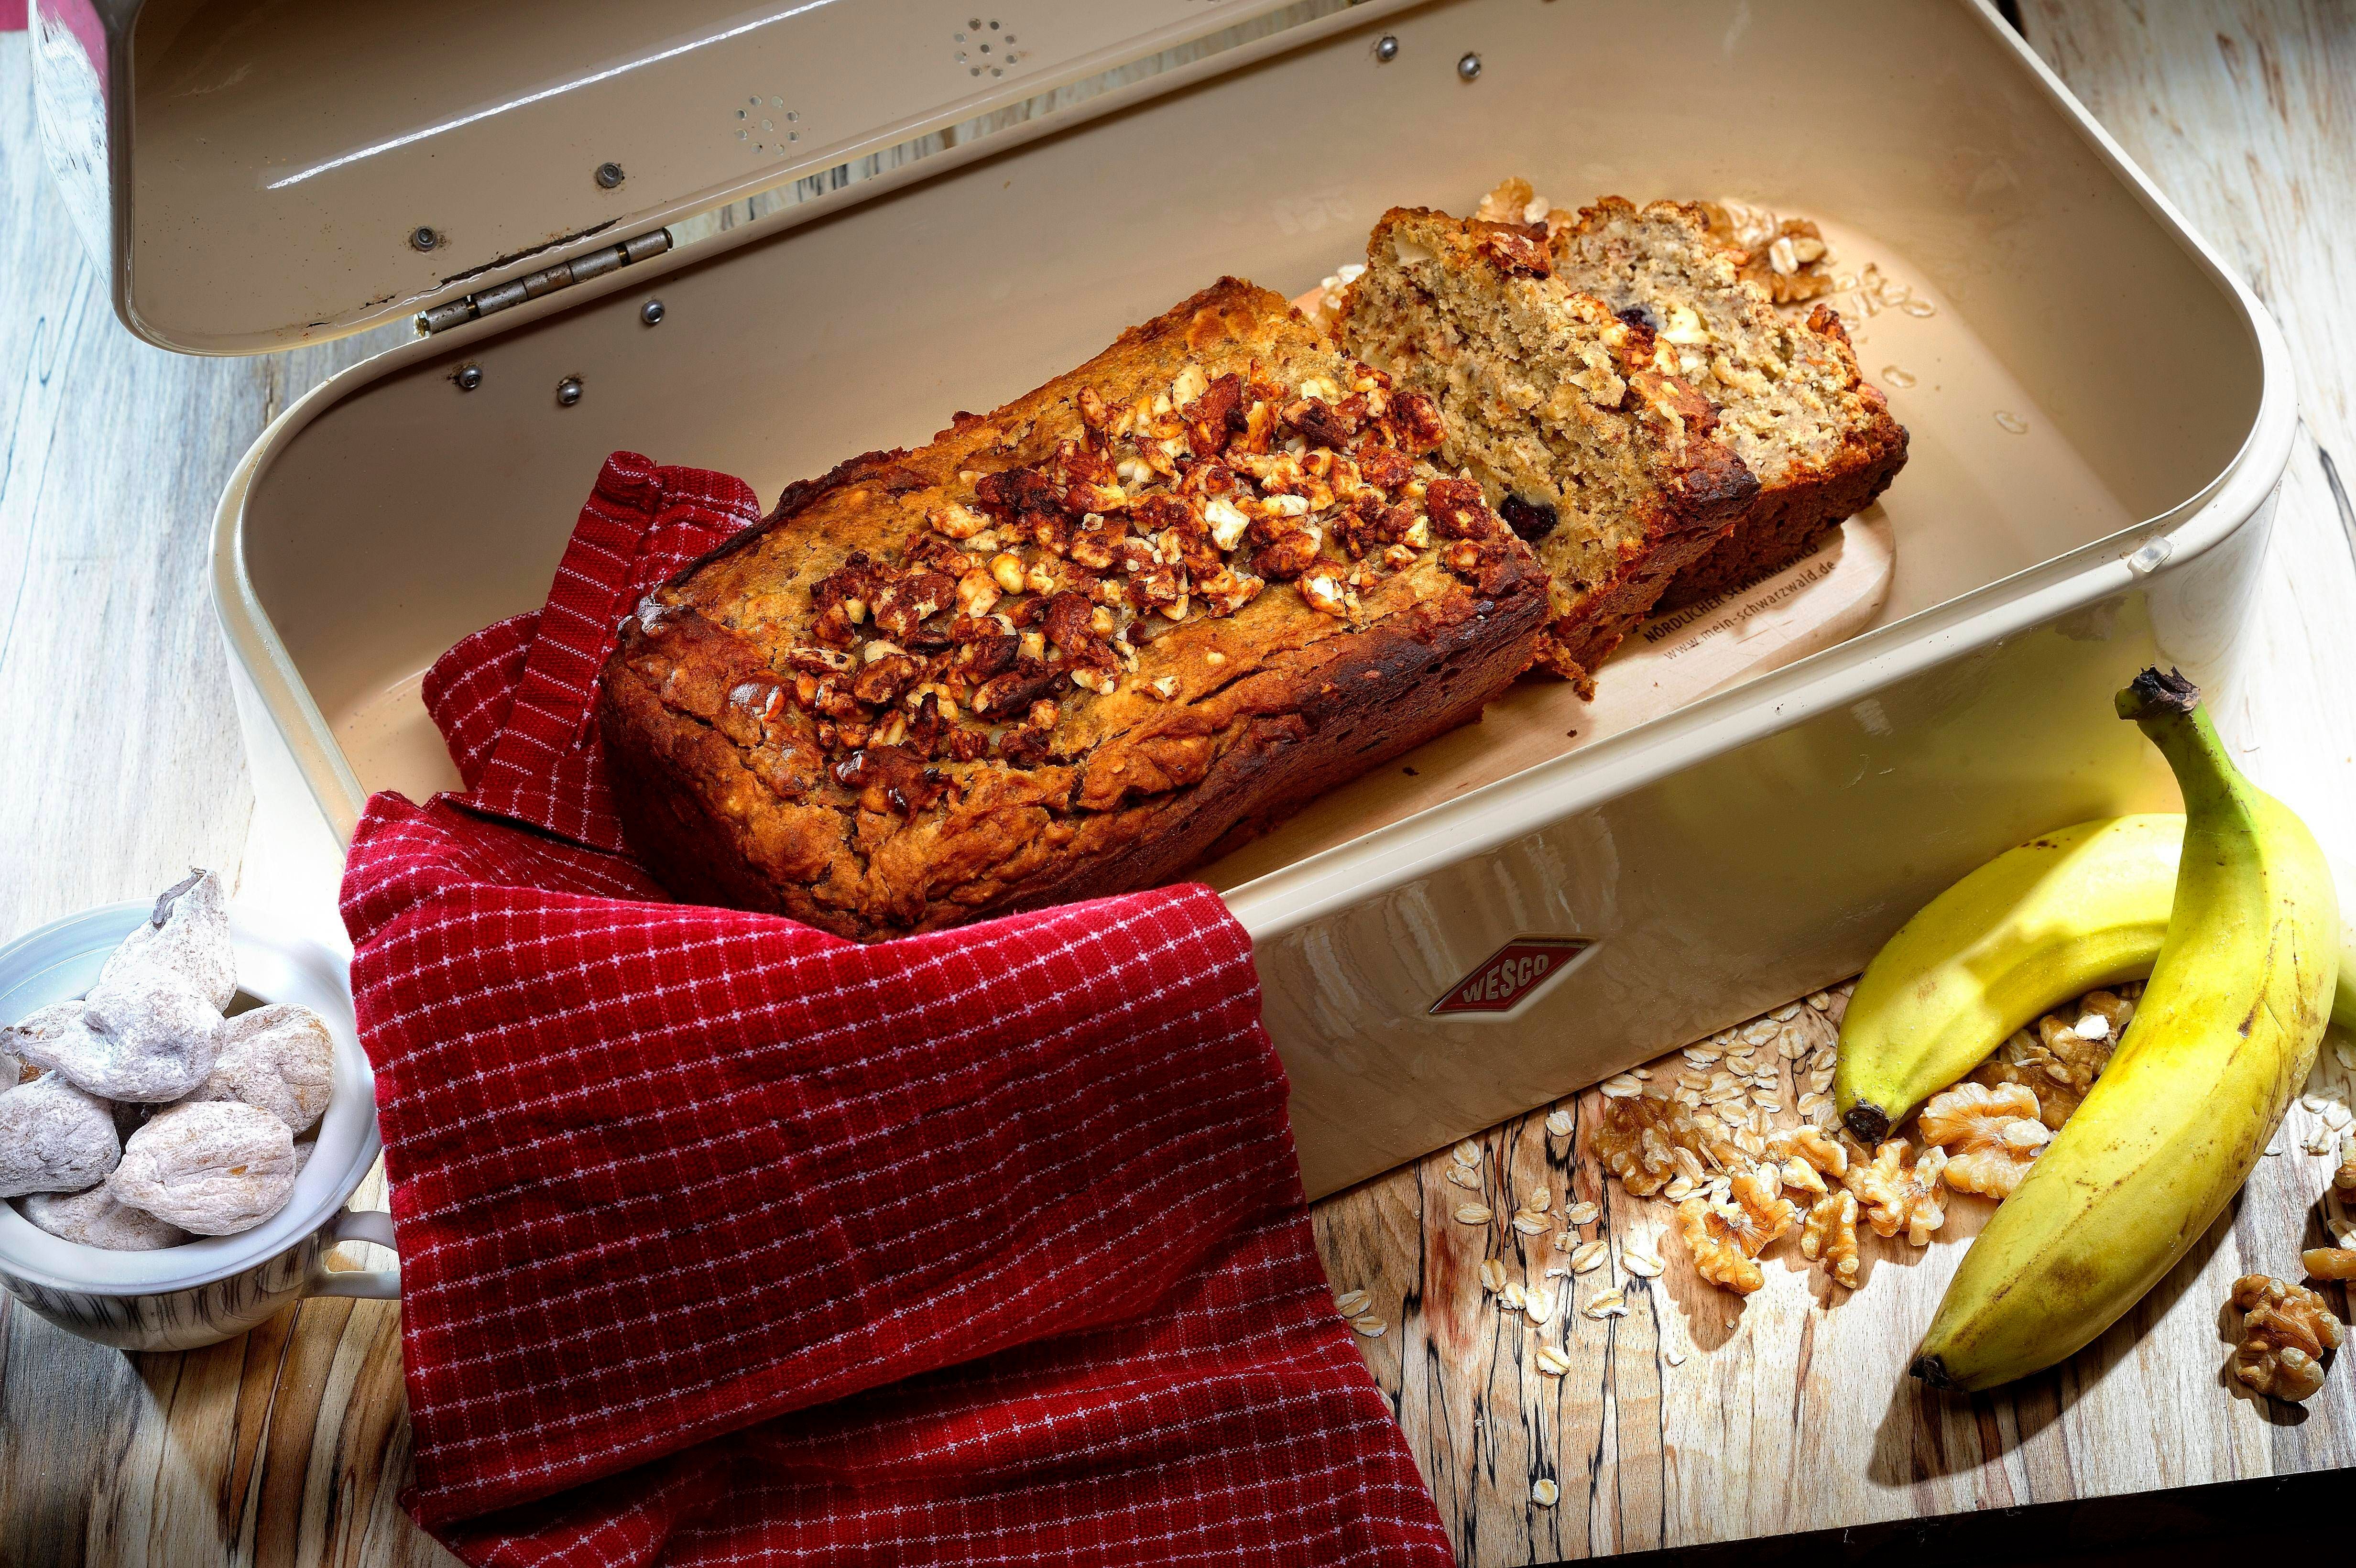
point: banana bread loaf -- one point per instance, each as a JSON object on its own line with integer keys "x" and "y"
{"x": 1573, "y": 420}
{"x": 1072, "y": 646}
{"x": 1791, "y": 403}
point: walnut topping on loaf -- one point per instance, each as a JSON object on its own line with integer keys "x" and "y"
{"x": 1153, "y": 594}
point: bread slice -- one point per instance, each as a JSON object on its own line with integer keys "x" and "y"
{"x": 1581, "y": 435}
{"x": 1791, "y": 402}
{"x": 1069, "y": 647}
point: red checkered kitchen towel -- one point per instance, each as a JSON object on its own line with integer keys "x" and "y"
{"x": 726, "y": 1241}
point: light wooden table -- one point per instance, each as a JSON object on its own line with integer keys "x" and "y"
{"x": 288, "y": 1445}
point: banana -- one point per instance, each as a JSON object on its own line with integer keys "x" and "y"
{"x": 2051, "y": 920}
{"x": 2036, "y": 927}
{"x": 2221, "y": 1039}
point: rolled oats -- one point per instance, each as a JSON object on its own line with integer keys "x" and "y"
{"x": 1560, "y": 1123}
{"x": 1349, "y": 1301}
{"x": 1527, "y": 1224}
{"x": 1551, "y": 1361}
{"x": 1473, "y": 1214}
{"x": 1644, "y": 1265}
{"x": 1543, "y": 1492}
{"x": 1372, "y": 1328}
{"x": 1464, "y": 1177}
{"x": 1588, "y": 1256}
{"x": 1538, "y": 1200}
{"x": 1606, "y": 1303}
{"x": 1582, "y": 1213}
{"x": 1467, "y": 1152}
{"x": 1493, "y": 1274}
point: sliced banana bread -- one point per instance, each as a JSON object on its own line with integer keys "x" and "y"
{"x": 1791, "y": 402}
{"x": 1573, "y": 420}
{"x": 1070, "y": 647}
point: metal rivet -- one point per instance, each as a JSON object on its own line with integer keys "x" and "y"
{"x": 1387, "y": 48}
{"x": 609, "y": 174}
{"x": 652, "y": 312}
{"x": 1468, "y": 67}
{"x": 469, "y": 378}
{"x": 423, "y": 238}
{"x": 568, "y": 392}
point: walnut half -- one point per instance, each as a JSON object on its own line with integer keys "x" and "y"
{"x": 1990, "y": 1136}
{"x": 2286, "y": 1328}
{"x": 1829, "y": 1237}
{"x": 1724, "y": 1238}
{"x": 1898, "y": 1196}
{"x": 1648, "y": 1139}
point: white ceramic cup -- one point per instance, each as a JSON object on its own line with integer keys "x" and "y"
{"x": 215, "y": 1287}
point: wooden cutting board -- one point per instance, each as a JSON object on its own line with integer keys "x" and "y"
{"x": 1703, "y": 1416}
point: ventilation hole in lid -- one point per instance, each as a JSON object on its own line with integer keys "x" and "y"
{"x": 793, "y": 135}
{"x": 742, "y": 135}
{"x": 740, "y": 114}
{"x": 957, "y": 37}
{"x": 985, "y": 48}
{"x": 975, "y": 23}
{"x": 975, "y": 71}
{"x": 767, "y": 126}
{"x": 755, "y": 101}
{"x": 995, "y": 71}
{"x": 792, "y": 115}
{"x": 993, "y": 24}
{"x": 960, "y": 56}
{"x": 776, "y": 103}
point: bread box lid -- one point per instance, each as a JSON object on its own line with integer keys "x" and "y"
{"x": 256, "y": 174}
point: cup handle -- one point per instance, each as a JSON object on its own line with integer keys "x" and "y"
{"x": 372, "y": 1284}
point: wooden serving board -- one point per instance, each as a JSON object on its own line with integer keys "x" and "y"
{"x": 1703, "y": 1416}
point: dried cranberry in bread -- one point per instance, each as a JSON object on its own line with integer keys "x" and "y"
{"x": 1790, "y": 400}
{"x": 1072, "y": 646}
{"x": 1572, "y": 419}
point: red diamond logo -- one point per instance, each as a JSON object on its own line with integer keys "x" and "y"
{"x": 1510, "y": 976}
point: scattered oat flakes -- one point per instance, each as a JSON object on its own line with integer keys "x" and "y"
{"x": 1583, "y": 1212}
{"x": 1493, "y": 1274}
{"x": 1467, "y": 1152}
{"x": 1372, "y": 1328}
{"x": 1589, "y": 1256}
{"x": 1675, "y": 1357}
{"x": 1644, "y": 1265}
{"x": 1538, "y": 1200}
{"x": 1464, "y": 1177}
{"x": 1551, "y": 1361}
{"x": 1527, "y": 1224}
{"x": 1543, "y": 1492}
{"x": 1538, "y": 1309}
{"x": 1560, "y": 1123}
{"x": 1348, "y": 1302}
{"x": 1606, "y": 1303}
{"x": 1473, "y": 1214}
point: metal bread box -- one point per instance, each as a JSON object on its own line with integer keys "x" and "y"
{"x": 2100, "y": 414}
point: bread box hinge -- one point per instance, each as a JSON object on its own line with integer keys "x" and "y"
{"x": 547, "y": 280}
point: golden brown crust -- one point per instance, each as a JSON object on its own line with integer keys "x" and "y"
{"x": 750, "y": 770}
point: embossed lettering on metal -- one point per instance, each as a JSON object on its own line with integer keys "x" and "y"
{"x": 1510, "y": 976}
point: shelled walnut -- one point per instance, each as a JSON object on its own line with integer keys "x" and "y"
{"x": 2286, "y": 1328}
{"x": 2059, "y": 1058}
{"x": 1829, "y": 1236}
{"x": 1639, "y": 1137}
{"x": 1724, "y": 1238}
{"x": 1991, "y": 1136}
{"x": 1898, "y": 1196}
